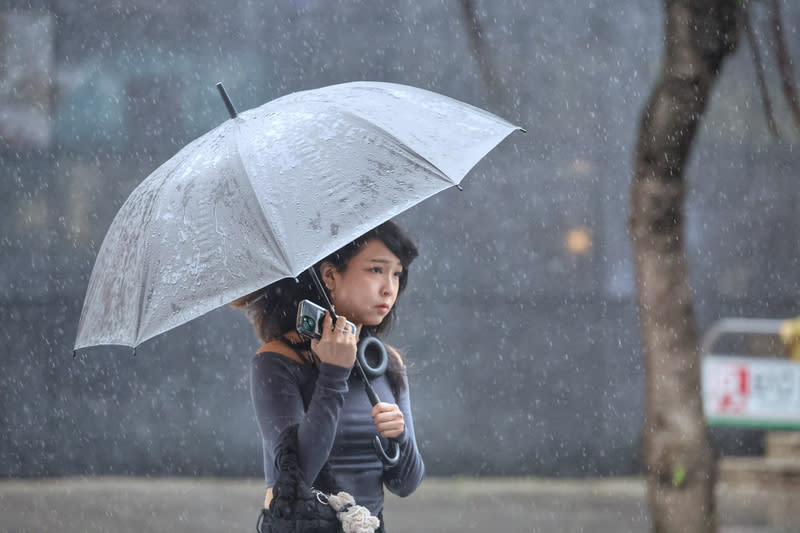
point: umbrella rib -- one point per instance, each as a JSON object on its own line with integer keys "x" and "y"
{"x": 283, "y": 253}
{"x": 147, "y": 271}
{"x": 372, "y": 126}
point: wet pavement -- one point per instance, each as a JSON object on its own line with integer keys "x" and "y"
{"x": 179, "y": 505}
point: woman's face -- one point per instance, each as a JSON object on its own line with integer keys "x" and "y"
{"x": 367, "y": 289}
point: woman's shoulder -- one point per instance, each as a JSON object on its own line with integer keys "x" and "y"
{"x": 277, "y": 354}
{"x": 275, "y": 362}
{"x": 280, "y": 348}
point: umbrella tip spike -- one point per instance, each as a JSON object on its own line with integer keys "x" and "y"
{"x": 523, "y": 130}
{"x": 459, "y": 187}
{"x": 224, "y": 94}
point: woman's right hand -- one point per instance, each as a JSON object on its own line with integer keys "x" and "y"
{"x": 337, "y": 345}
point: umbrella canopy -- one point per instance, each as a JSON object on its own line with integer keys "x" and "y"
{"x": 271, "y": 192}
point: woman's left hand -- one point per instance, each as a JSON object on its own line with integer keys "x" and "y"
{"x": 388, "y": 419}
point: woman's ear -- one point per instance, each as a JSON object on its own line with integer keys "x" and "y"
{"x": 327, "y": 270}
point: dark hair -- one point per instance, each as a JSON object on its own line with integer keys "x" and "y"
{"x": 273, "y": 309}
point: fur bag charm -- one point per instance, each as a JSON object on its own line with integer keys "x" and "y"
{"x": 354, "y": 518}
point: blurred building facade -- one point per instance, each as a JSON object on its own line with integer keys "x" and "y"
{"x": 520, "y": 320}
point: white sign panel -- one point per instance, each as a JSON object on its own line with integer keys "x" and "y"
{"x": 740, "y": 391}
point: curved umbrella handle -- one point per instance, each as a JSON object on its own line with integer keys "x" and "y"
{"x": 392, "y": 457}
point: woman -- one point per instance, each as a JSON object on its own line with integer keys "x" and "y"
{"x": 311, "y": 384}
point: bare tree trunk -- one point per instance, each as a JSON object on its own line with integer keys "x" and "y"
{"x": 678, "y": 460}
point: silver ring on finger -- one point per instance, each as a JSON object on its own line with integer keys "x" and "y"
{"x": 344, "y": 330}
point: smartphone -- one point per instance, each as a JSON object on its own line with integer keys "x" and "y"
{"x": 309, "y": 320}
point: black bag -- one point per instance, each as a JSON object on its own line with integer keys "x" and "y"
{"x": 296, "y": 507}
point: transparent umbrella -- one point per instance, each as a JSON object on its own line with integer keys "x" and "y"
{"x": 270, "y": 192}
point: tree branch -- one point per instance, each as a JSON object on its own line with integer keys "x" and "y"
{"x": 784, "y": 63}
{"x": 759, "y": 66}
{"x": 480, "y": 48}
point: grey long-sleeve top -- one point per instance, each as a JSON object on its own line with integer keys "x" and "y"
{"x": 335, "y": 424}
